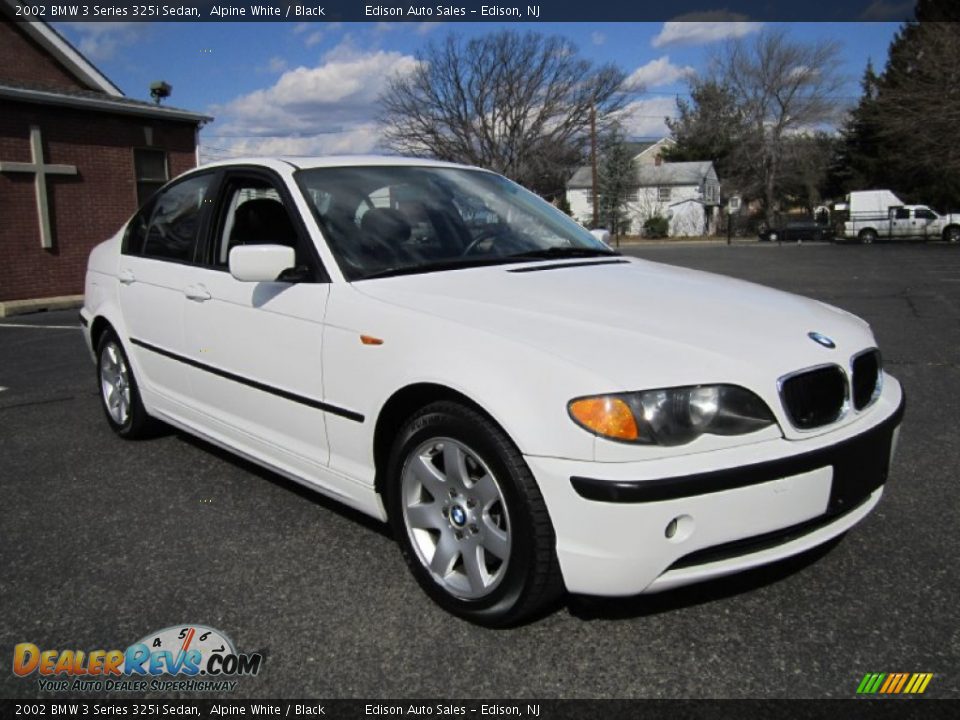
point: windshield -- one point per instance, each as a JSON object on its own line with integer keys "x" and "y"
{"x": 381, "y": 221}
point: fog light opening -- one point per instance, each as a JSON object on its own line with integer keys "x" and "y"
{"x": 679, "y": 529}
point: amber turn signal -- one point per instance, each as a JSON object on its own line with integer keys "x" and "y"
{"x": 606, "y": 416}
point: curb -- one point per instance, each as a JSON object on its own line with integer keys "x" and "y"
{"x": 9, "y": 308}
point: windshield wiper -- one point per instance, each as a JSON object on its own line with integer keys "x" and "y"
{"x": 553, "y": 253}
{"x": 455, "y": 264}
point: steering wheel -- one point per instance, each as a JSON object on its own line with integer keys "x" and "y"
{"x": 487, "y": 233}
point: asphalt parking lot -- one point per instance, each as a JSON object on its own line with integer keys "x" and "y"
{"x": 103, "y": 541}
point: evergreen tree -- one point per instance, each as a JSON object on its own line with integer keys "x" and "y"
{"x": 903, "y": 133}
{"x": 616, "y": 180}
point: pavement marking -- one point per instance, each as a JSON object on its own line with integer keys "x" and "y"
{"x": 40, "y": 327}
{"x": 2, "y": 388}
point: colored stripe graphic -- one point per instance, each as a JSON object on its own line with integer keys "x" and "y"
{"x": 894, "y": 683}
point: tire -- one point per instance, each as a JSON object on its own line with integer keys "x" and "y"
{"x": 119, "y": 394}
{"x": 477, "y": 539}
{"x": 951, "y": 233}
{"x": 867, "y": 237}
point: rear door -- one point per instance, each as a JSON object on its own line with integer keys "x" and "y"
{"x": 255, "y": 348}
{"x": 901, "y": 223}
{"x": 925, "y": 221}
{"x": 159, "y": 248}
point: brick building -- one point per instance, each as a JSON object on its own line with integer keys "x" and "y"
{"x": 76, "y": 159}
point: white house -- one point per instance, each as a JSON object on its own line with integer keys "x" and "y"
{"x": 687, "y": 194}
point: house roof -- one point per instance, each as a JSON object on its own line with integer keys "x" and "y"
{"x": 101, "y": 94}
{"x": 97, "y": 101}
{"x": 674, "y": 173}
{"x": 65, "y": 53}
{"x": 667, "y": 173}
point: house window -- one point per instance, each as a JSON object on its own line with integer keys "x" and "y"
{"x": 663, "y": 194}
{"x": 150, "y": 167}
{"x": 633, "y": 196}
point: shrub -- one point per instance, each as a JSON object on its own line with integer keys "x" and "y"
{"x": 656, "y": 227}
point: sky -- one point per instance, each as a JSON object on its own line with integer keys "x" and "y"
{"x": 311, "y": 88}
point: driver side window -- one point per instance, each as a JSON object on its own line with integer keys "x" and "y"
{"x": 253, "y": 213}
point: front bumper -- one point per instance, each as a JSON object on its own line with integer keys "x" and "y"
{"x": 629, "y": 528}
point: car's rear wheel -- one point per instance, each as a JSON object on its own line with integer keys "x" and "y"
{"x": 952, "y": 233}
{"x": 119, "y": 394}
{"x": 469, "y": 517}
{"x": 867, "y": 237}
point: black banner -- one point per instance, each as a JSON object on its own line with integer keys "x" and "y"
{"x": 465, "y": 11}
{"x": 859, "y": 709}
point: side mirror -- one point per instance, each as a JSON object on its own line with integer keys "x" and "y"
{"x": 261, "y": 263}
{"x": 601, "y": 235}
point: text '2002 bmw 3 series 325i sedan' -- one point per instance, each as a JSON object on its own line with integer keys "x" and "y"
{"x": 436, "y": 347}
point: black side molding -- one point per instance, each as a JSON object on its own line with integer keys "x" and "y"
{"x": 860, "y": 466}
{"x": 83, "y": 320}
{"x": 285, "y": 394}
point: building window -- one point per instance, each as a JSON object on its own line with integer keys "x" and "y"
{"x": 151, "y": 171}
{"x": 633, "y": 196}
{"x": 663, "y": 194}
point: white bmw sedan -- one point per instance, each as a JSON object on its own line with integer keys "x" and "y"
{"x": 436, "y": 347}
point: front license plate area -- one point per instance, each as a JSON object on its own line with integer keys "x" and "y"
{"x": 859, "y": 468}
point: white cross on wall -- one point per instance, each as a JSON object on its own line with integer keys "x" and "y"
{"x": 40, "y": 170}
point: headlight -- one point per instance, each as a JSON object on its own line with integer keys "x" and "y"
{"x": 672, "y": 416}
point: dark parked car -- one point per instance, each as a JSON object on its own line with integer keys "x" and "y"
{"x": 796, "y": 231}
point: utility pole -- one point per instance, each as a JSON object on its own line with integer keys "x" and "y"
{"x": 593, "y": 164}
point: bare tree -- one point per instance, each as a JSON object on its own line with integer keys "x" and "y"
{"x": 517, "y": 104}
{"x": 781, "y": 87}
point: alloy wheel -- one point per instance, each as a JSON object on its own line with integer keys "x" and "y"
{"x": 456, "y": 517}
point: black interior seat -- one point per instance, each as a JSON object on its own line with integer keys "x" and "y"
{"x": 262, "y": 221}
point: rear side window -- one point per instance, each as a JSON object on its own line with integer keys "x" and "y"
{"x": 173, "y": 228}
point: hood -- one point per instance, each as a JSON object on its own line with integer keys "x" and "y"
{"x": 642, "y": 324}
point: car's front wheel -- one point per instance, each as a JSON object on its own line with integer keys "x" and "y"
{"x": 469, "y": 517}
{"x": 119, "y": 394}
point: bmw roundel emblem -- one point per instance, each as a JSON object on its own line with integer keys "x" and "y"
{"x": 822, "y": 339}
{"x": 458, "y": 516}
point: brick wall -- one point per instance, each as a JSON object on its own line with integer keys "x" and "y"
{"x": 85, "y": 209}
{"x": 23, "y": 62}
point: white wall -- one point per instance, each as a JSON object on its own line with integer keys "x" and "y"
{"x": 646, "y": 206}
{"x": 687, "y": 220}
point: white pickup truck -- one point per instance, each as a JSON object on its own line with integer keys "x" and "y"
{"x": 879, "y": 214}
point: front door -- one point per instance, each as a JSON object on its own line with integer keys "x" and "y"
{"x": 255, "y": 348}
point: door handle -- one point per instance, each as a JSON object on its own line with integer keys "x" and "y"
{"x": 126, "y": 277}
{"x": 197, "y": 292}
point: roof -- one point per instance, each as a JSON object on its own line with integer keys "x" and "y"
{"x": 101, "y": 95}
{"x": 97, "y": 101}
{"x": 311, "y": 162}
{"x": 674, "y": 173}
{"x": 65, "y": 53}
{"x": 667, "y": 173}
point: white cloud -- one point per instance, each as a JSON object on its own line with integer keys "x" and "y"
{"x": 328, "y": 108}
{"x": 656, "y": 73}
{"x": 101, "y": 40}
{"x": 598, "y": 38}
{"x": 703, "y": 28}
{"x": 314, "y": 38}
{"x": 645, "y": 118}
{"x": 276, "y": 65}
{"x": 427, "y": 27}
